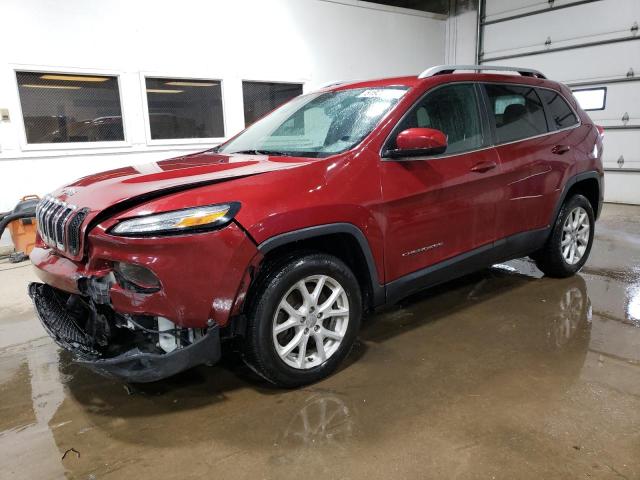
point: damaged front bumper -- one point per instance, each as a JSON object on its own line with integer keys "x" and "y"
{"x": 115, "y": 345}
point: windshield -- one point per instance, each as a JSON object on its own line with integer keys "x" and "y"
{"x": 318, "y": 124}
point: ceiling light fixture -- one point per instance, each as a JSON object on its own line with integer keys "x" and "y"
{"x": 63, "y": 87}
{"x": 192, "y": 84}
{"x": 74, "y": 78}
{"x": 158, "y": 90}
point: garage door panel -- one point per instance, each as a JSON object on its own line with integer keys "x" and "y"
{"x": 622, "y": 143}
{"x": 497, "y": 9}
{"x": 604, "y": 61}
{"x": 564, "y": 27}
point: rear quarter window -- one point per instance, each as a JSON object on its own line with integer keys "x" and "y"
{"x": 560, "y": 113}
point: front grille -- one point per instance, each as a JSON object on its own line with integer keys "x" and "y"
{"x": 59, "y": 224}
{"x": 60, "y": 322}
{"x": 73, "y": 229}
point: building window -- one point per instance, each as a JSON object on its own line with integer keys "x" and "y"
{"x": 261, "y": 98}
{"x": 181, "y": 108}
{"x": 66, "y": 108}
{"x": 591, "y": 98}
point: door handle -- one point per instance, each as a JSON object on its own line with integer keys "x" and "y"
{"x": 560, "y": 149}
{"x": 483, "y": 167}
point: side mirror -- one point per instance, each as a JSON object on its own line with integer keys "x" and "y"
{"x": 418, "y": 142}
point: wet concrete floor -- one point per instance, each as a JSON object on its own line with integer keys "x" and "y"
{"x": 502, "y": 374}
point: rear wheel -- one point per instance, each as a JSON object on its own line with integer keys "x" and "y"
{"x": 304, "y": 319}
{"x": 571, "y": 239}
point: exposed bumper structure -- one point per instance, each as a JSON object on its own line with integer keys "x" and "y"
{"x": 201, "y": 274}
{"x": 127, "y": 360}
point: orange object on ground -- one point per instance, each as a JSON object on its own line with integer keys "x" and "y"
{"x": 23, "y": 232}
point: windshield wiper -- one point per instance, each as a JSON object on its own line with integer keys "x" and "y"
{"x": 262, "y": 152}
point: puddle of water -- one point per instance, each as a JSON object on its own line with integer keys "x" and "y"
{"x": 474, "y": 378}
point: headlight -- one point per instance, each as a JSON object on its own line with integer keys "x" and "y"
{"x": 187, "y": 220}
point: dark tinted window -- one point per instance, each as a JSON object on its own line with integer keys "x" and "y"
{"x": 61, "y": 108}
{"x": 561, "y": 114}
{"x": 184, "y": 108}
{"x": 453, "y": 110}
{"x": 261, "y": 98}
{"x": 517, "y": 111}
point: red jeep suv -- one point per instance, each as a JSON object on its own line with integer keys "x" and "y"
{"x": 336, "y": 203}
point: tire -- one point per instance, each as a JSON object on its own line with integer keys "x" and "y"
{"x": 326, "y": 331}
{"x": 552, "y": 258}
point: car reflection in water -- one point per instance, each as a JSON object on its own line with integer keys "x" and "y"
{"x": 324, "y": 419}
{"x": 574, "y": 309}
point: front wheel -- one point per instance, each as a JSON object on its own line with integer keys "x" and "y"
{"x": 571, "y": 239}
{"x": 303, "y": 320}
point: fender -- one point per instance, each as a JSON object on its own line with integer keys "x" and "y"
{"x": 329, "y": 229}
{"x": 570, "y": 183}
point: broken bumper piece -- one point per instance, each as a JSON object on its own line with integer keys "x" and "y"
{"x": 139, "y": 367}
{"x": 131, "y": 365}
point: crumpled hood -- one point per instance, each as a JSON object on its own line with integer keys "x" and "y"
{"x": 106, "y": 189}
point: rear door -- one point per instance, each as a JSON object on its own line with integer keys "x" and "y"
{"x": 441, "y": 206}
{"x": 530, "y": 157}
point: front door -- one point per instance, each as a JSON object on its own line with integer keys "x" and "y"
{"x": 442, "y": 206}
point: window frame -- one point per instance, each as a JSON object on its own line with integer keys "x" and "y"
{"x": 487, "y": 120}
{"x": 604, "y": 103}
{"x": 182, "y": 141}
{"x": 544, "y": 106}
{"x": 488, "y": 136}
{"x": 300, "y": 82}
{"x": 25, "y": 146}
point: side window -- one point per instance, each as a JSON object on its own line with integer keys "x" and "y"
{"x": 452, "y": 109}
{"x": 517, "y": 111}
{"x": 560, "y": 113}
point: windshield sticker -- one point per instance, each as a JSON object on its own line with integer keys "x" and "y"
{"x": 383, "y": 93}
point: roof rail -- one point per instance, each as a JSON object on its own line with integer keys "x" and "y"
{"x": 444, "y": 69}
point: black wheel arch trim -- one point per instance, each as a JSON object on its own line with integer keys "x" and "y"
{"x": 571, "y": 182}
{"x": 378, "y": 290}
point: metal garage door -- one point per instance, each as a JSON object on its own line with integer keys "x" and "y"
{"x": 584, "y": 44}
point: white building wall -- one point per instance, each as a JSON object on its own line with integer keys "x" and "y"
{"x": 308, "y": 41}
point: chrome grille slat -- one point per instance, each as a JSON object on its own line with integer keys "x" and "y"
{"x": 50, "y": 222}
{"x": 59, "y": 224}
{"x": 61, "y": 228}
{"x": 57, "y": 227}
{"x": 45, "y": 211}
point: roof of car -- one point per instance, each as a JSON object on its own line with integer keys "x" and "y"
{"x": 381, "y": 82}
{"x": 413, "y": 81}
{"x": 441, "y": 73}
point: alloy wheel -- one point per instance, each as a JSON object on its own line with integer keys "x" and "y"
{"x": 575, "y": 235}
{"x": 310, "y": 322}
